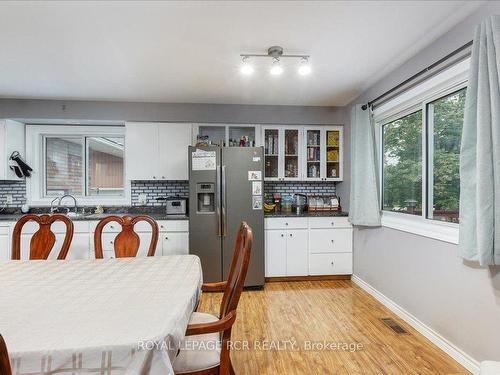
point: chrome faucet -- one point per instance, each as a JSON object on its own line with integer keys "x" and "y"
{"x": 74, "y": 200}
{"x": 54, "y": 208}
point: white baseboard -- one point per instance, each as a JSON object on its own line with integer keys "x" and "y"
{"x": 456, "y": 353}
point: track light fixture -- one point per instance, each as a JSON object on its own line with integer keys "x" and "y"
{"x": 276, "y": 54}
{"x": 246, "y": 67}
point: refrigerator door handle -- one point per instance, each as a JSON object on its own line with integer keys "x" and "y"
{"x": 224, "y": 208}
{"x": 218, "y": 203}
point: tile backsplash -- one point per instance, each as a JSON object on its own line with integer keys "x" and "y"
{"x": 157, "y": 189}
{"x": 304, "y": 187}
{"x": 15, "y": 188}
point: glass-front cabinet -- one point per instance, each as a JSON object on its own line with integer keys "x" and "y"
{"x": 237, "y": 135}
{"x": 323, "y": 153}
{"x": 282, "y": 153}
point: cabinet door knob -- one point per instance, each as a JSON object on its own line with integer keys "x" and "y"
{"x": 331, "y": 240}
{"x": 286, "y": 223}
{"x": 166, "y": 238}
{"x": 154, "y": 177}
{"x": 163, "y": 177}
{"x": 281, "y": 234}
{"x": 332, "y": 223}
{"x": 112, "y": 227}
{"x": 332, "y": 263}
{"x": 291, "y": 235}
{"x": 111, "y": 242}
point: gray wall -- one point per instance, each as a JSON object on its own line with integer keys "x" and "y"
{"x": 426, "y": 277}
{"x": 169, "y": 112}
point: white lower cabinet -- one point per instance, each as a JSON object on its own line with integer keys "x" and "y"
{"x": 175, "y": 243}
{"x": 302, "y": 246}
{"x": 275, "y": 245}
{"x": 173, "y": 238}
{"x": 330, "y": 264}
{"x": 4, "y": 242}
{"x": 286, "y": 247}
{"x": 296, "y": 252}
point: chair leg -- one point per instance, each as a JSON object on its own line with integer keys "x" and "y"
{"x": 231, "y": 368}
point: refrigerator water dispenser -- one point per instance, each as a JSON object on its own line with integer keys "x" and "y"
{"x": 206, "y": 197}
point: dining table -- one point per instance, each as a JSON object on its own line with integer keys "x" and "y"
{"x": 102, "y": 316}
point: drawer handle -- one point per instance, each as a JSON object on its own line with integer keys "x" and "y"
{"x": 286, "y": 223}
{"x": 111, "y": 242}
{"x": 332, "y": 224}
{"x": 332, "y": 263}
{"x": 281, "y": 234}
{"x": 331, "y": 241}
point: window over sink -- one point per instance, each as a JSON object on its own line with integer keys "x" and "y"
{"x": 84, "y": 161}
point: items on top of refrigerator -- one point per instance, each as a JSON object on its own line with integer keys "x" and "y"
{"x": 244, "y": 141}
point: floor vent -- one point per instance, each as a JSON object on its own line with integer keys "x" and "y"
{"x": 392, "y": 324}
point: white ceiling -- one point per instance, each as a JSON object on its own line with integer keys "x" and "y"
{"x": 189, "y": 51}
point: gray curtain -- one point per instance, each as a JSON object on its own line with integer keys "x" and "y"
{"x": 364, "y": 207}
{"x": 480, "y": 150}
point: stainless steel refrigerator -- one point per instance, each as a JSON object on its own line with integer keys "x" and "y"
{"x": 226, "y": 187}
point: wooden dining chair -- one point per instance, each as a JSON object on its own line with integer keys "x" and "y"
{"x": 199, "y": 355}
{"x": 127, "y": 242}
{"x": 43, "y": 239}
{"x": 4, "y": 358}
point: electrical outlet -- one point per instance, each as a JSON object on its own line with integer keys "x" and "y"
{"x": 8, "y": 199}
{"x": 143, "y": 199}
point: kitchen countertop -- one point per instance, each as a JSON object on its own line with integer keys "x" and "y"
{"x": 306, "y": 214}
{"x": 95, "y": 217}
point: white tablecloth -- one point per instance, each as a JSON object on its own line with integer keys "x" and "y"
{"x": 97, "y": 316}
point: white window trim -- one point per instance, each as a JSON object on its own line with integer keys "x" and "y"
{"x": 35, "y": 157}
{"x": 417, "y": 98}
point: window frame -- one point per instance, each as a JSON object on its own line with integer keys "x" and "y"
{"x": 36, "y": 136}
{"x": 417, "y": 98}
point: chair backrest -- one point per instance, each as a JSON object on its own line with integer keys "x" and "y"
{"x": 238, "y": 270}
{"x": 4, "y": 358}
{"x": 126, "y": 243}
{"x": 43, "y": 239}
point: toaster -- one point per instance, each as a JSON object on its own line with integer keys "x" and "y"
{"x": 176, "y": 206}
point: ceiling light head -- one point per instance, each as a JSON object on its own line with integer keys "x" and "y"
{"x": 304, "y": 68}
{"x": 276, "y": 69}
{"x": 246, "y": 68}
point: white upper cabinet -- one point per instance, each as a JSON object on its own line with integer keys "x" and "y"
{"x": 323, "y": 153}
{"x": 141, "y": 151}
{"x": 174, "y": 140}
{"x": 157, "y": 151}
{"x": 308, "y": 153}
{"x": 282, "y": 153}
{"x": 12, "y": 138}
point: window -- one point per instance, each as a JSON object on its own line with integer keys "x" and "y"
{"x": 419, "y": 134}
{"x": 402, "y": 165}
{"x": 84, "y": 166}
{"x": 444, "y": 121}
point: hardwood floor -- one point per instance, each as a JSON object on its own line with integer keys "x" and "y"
{"x": 309, "y": 312}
